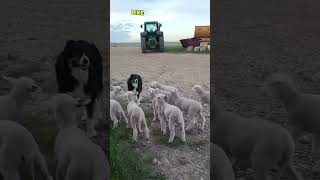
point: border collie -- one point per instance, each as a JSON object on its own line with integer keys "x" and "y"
{"x": 134, "y": 83}
{"x": 79, "y": 73}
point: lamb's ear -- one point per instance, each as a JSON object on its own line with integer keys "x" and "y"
{"x": 165, "y": 98}
{"x": 11, "y": 80}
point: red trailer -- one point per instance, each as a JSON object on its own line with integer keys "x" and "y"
{"x": 190, "y": 42}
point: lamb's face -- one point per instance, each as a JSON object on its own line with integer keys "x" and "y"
{"x": 161, "y": 98}
{"x": 197, "y": 88}
{"x": 118, "y": 90}
{"x": 279, "y": 84}
{"x": 24, "y": 85}
{"x": 154, "y": 84}
{"x": 151, "y": 92}
{"x": 173, "y": 94}
{"x": 30, "y": 85}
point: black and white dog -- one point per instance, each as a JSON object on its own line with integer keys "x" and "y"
{"x": 134, "y": 83}
{"x": 79, "y": 73}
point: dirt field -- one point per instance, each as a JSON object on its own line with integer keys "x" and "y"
{"x": 256, "y": 38}
{"x": 182, "y": 71}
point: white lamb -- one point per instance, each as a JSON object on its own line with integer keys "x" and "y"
{"x": 78, "y": 158}
{"x": 190, "y": 107}
{"x": 152, "y": 93}
{"x": 117, "y": 90}
{"x": 303, "y": 109}
{"x": 155, "y": 84}
{"x": 172, "y": 115}
{"x": 136, "y": 116}
{"x": 204, "y": 95}
{"x": 11, "y": 105}
{"x": 266, "y": 145}
{"x": 116, "y": 112}
{"x": 17, "y": 147}
{"x": 220, "y": 165}
{"x": 154, "y": 103}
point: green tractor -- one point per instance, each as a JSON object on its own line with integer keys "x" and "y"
{"x": 152, "y": 37}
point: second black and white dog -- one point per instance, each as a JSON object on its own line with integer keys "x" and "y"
{"x": 79, "y": 73}
{"x": 134, "y": 83}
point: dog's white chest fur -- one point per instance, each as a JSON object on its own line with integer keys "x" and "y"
{"x": 82, "y": 76}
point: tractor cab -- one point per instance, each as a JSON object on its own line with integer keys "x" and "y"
{"x": 151, "y": 26}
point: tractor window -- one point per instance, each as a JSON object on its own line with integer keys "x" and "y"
{"x": 151, "y": 27}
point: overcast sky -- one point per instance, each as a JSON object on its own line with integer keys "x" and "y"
{"x": 178, "y": 18}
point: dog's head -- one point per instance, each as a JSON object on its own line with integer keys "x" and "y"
{"x": 75, "y": 62}
{"x": 135, "y": 81}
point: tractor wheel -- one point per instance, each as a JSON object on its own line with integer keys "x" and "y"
{"x": 143, "y": 45}
{"x": 161, "y": 44}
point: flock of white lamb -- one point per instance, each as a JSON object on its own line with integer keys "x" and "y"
{"x": 77, "y": 157}
{"x": 169, "y": 107}
{"x": 266, "y": 145}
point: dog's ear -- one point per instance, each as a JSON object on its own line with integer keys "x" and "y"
{"x": 69, "y": 43}
{"x": 11, "y": 80}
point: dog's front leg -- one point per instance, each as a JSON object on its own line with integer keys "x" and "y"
{"x": 91, "y": 132}
{"x": 91, "y": 120}
{"x": 100, "y": 107}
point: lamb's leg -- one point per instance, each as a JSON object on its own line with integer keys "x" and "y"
{"x": 124, "y": 116}
{"x": 172, "y": 130}
{"x": 31, "y": 168}
{"x": 134, "y": 129}
{"x": 61, "y": 169}
{"x": 41, "y": 163}
{"x": 260, "y": 164}
{"x": 203, "y": 120}
{"x": 192, "y": 120}
{"x": 115, "y": 120}
{"x": 140, "y": 124}
{"x": 295, "y": 133}
{"x": 135, "y": 134}
{"x": 183, "y": 133}
{"x": 164, "y": 125}
{"x": 146, "y": 129}
{"x": 260, "y": 172}
{"x": 292, "y": 173}
{"x": 154, "y": 111}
